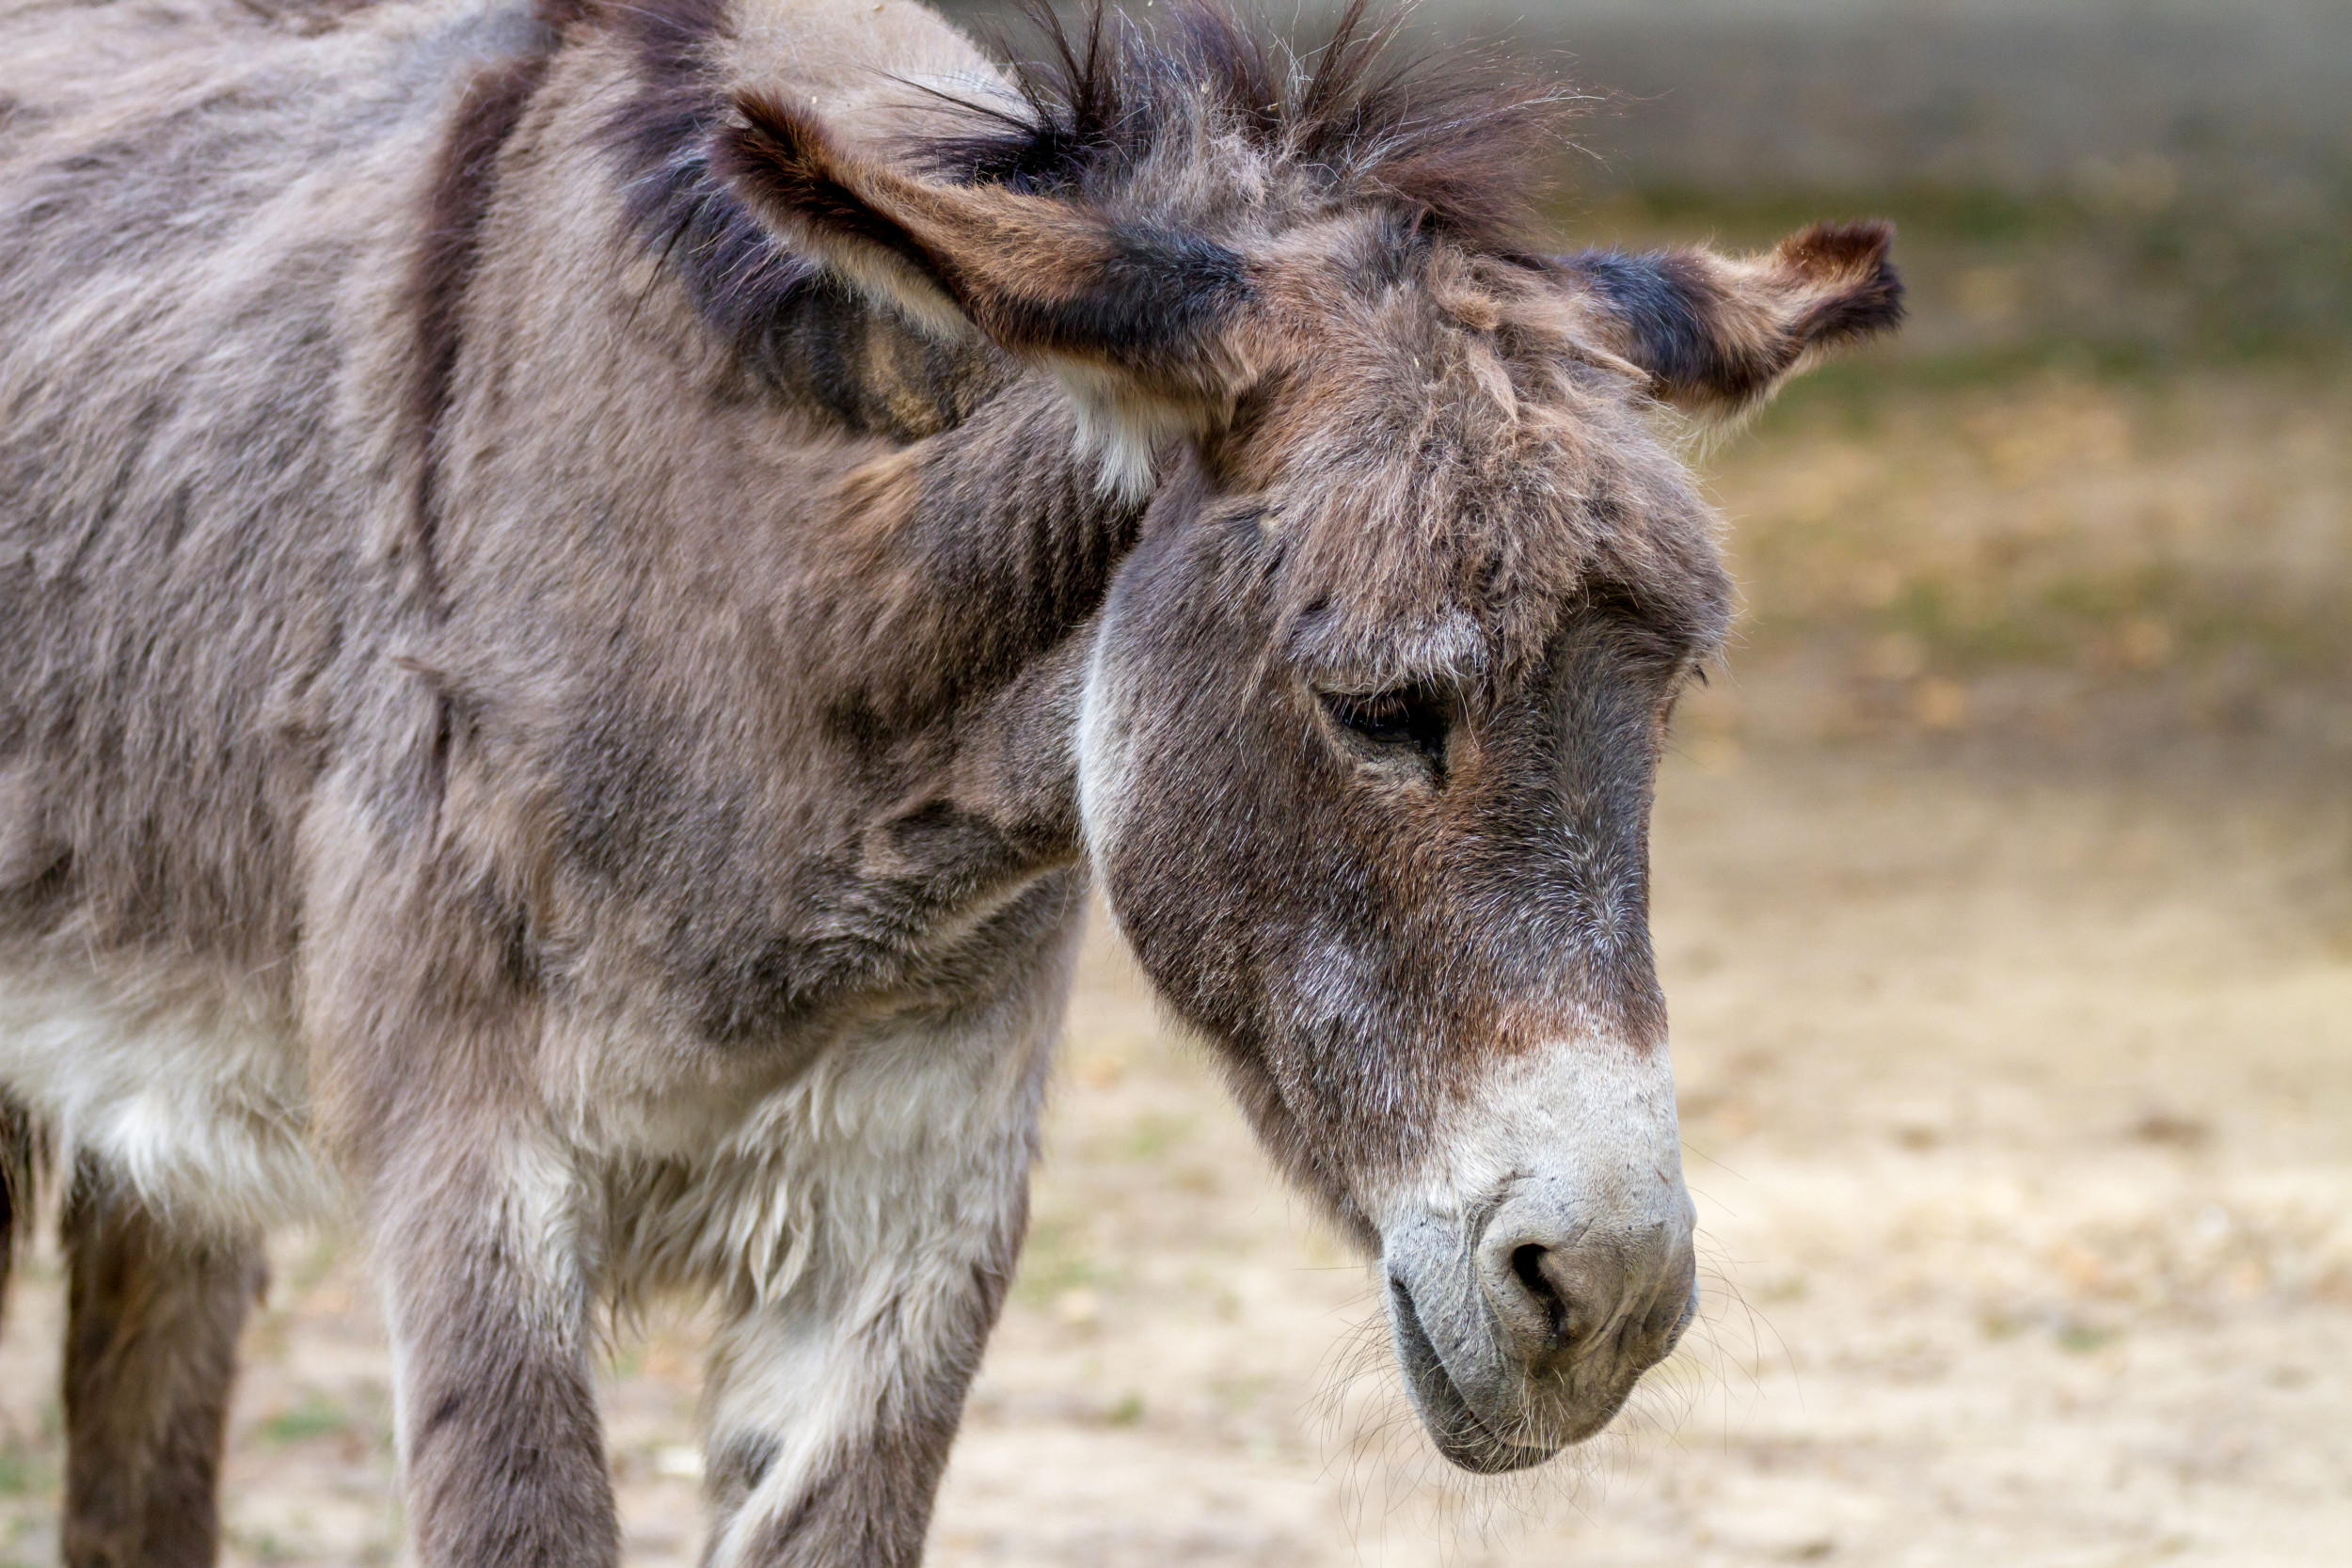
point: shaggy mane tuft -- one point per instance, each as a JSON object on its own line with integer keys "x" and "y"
{"x": 1466, "y": 141}
{"x": 1460, "y": 141}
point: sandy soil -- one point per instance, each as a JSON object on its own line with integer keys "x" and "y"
{"x": 2017, "y": 1085}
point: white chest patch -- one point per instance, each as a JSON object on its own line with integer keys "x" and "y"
{"x": 198, "y": 1100}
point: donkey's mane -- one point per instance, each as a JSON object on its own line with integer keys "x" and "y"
{"x": 1465, "y": 142}
{"x": 732, "y": 269}
{"x": 1458, "y": 142}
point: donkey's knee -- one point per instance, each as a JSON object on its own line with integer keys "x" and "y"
{"x": 810, "y": 1464}
{"x": 501, "y": 1446}
{"x": 152, "y": 1318}
{"x": 830, "y": 1424}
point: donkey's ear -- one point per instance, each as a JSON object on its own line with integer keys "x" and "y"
{"x": 1132, "y": 315}
{"x": 1717, "y": 334}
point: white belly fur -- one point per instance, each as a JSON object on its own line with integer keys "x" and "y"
{"x": 198, "y": 1100}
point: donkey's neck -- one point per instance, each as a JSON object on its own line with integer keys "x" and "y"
{"x": 845, "y": 577}
{"x": 953, "y": 587}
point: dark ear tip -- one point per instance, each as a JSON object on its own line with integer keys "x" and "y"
{"x": 1850, "y": 261}
{"x": 1840, "y": 247}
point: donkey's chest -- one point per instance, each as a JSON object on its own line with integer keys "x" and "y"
{"x": 200, "y": 1096}
{"x": 768, "y": 969}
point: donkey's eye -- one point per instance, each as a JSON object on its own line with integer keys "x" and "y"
{"x": 1406, "y": 719}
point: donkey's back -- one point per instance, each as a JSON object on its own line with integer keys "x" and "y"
{"x": 204, "y": 211}
{"x": 204, "y": 224}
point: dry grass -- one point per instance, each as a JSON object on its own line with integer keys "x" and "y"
{"x": 2089, "y": 563}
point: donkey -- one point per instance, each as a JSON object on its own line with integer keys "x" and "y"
{"x": 585, "y": 593}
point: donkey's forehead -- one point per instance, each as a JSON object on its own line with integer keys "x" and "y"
{"x": 1431, "y": 374}
{"x": 1439, "y": 499}
{"x": 1343, "y": 649}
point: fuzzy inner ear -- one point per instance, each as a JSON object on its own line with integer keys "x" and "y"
{"x": 1133, "y": 317}
{"x": 1719, "y": 333}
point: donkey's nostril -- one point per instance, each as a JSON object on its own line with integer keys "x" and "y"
{"x": 1561, "y": 1287}
{"x": 1527, "y": 1262}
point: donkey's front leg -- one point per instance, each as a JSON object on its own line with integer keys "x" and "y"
{"x": 425, "y": 1037}
{"x": 829, "y": 1429}
{"x": 831, "y": 1405}
{"x": 501, "y": 1443}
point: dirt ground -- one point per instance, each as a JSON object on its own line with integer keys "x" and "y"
{"x": 2002, "y": 903}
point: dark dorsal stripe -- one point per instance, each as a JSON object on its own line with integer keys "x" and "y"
{"x": 457, "y": 199}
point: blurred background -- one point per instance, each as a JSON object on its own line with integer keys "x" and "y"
{"x": 2004, "y": 903}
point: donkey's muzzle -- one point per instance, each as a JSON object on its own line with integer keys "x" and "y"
{"x": 1524, "y": 1334}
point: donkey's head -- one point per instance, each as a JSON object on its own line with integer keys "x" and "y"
{"x": 1375, "y": 703}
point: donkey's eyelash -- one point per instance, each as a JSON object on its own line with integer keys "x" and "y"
{"x": 1408, "y": 717}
